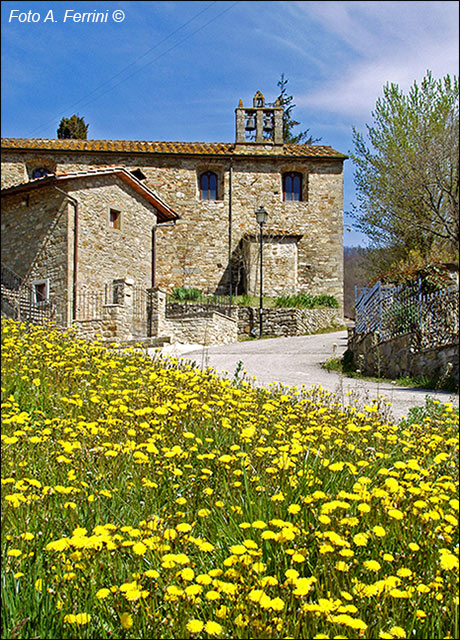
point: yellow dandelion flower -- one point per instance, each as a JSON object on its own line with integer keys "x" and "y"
{"x": 360, "y": 539}
{"x": 213, "y": 628}
{"x": 298, "y": 557}
{"x": 139, "y": 548}
{"x": 423, "y": 588}
{"x": 238, "y": 549}
{"x": 379, "y": 531}
{"x": 187, "y": 574}
{"x": 448, "y": 561}
{"x": 126, "y": 620}
{"x": 294, "y": 508}
{"x": 195, "y": 626}
{"x": 372, "y": 565}
{"x": 277, "y": 604}
{"x": 268, "y": 535}
{"x": 151, "y": 573}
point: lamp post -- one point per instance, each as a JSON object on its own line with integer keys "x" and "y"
{"x": 261, "y": 217}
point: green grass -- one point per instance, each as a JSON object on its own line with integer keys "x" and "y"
{"x": 346, "y": 367}
{"x": 298, "y": 301}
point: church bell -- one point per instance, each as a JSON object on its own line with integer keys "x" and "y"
{"x": 250, "y": 124}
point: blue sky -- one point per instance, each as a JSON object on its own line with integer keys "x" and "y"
{"x": 176, "y": 70}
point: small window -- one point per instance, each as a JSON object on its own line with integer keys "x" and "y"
{"x": 40, "y": 292}
{"x": 39, "y": 172}
{"x": 114, "y": 219}
{"x": 292, "y": 186}
{"x": 208, "y": 186}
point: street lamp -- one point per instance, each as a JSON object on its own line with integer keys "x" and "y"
{"x": 261, "y": 217}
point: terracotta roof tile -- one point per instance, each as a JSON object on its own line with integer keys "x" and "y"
{"x": 180, "y": 148}
{"x": 164, "y": 212}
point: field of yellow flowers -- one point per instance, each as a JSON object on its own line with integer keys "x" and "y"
{"x": 150, "y": 499}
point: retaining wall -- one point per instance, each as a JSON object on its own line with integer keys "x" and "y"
{"x": 276, "y": 321}
{"x": 400, "y": 357}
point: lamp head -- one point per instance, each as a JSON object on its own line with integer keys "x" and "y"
{"x": 261, "y": 215}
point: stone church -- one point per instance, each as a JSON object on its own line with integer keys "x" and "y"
{"x": 77, "y": 214}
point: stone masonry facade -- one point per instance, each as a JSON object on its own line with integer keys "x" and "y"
{"x": 213, "y": 243}
{"x": 38, "y": 238}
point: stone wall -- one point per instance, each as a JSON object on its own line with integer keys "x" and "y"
{"x": 399, "y": 357}
{"x": 195, "y": 252}
{"x": 210, "y": 328}
{"x": 38, "y": 230}
{"x": 280, "y": 265}
{"x": 19, "y": 305}
{"x": 202, "y": 327}
{"x": 287, "y": 322}
{"x": 114, "y": 324}
{"x": 34, "y": 229}
{"x": 104, "y": 252}
{"x": 276, "y": 321}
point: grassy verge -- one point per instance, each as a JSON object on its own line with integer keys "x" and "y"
{"x": 346, "y": 367}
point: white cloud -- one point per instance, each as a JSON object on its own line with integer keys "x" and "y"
{"x": 386, "y": 42}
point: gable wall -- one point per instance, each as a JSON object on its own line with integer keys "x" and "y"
{"x": 105, "y": 253}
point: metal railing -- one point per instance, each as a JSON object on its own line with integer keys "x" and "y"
{"x": 206, "y": 302}
{"x": 391, "y": 311}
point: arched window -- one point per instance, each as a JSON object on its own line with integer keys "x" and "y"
{"x": 292, "y": 186}
{"x": 39, "y": 172}
{"x": 208, "y": 186}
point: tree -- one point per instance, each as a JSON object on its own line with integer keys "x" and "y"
{"x": 407, "y": 177}
{"x": 73, "y": 127}
{"x": 289, "y": 123}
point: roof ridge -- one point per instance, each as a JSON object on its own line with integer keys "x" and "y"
{"x": 170, "y": 146}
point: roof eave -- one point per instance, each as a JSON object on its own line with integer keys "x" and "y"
{"x": 164, "y": 212}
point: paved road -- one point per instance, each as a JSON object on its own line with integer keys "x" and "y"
{"x": 297, "y": 361}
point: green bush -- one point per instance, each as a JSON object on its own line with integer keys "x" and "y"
{"x": 306, "y": 301}
{"x": 184, "y": 293}
{"x": 402, "y": 318}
